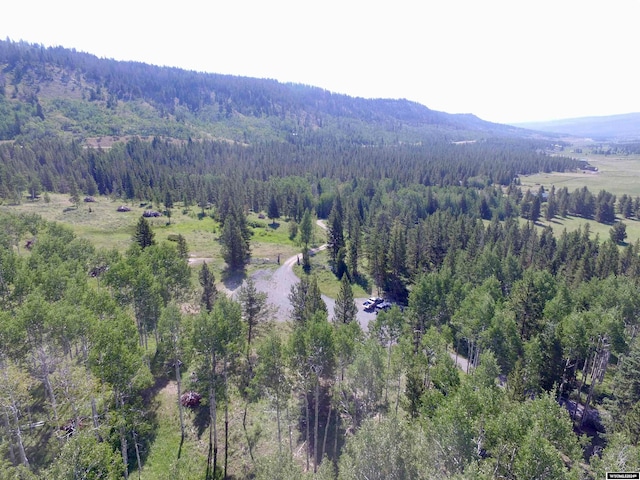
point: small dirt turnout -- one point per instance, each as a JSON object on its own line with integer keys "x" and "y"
{"x": 277, "y": 285}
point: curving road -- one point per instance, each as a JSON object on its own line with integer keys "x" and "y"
{"x": 277, "y": 285}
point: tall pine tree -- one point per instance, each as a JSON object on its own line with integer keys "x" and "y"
{"x": 235, "y": 240}
{"x": 335, "y": 236}
{"x": 144, "y": 236}
{"x": 345, "y": 309}
{"x": 209, "y": 291}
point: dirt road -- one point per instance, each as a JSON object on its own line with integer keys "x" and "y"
{"x": 277, "y": 285}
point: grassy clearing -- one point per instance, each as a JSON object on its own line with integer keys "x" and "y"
{"x": 270, "y": 240}
{"x": 327, "y": 282}
{"x": 616, "y": 174}
{"x": 570, "y": 224}
{"x": 106, "y": 228}
{"x": 162, "y": 461}
{"x": 268, "y": 231}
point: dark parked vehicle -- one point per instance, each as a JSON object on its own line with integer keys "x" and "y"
{"x": 383, "y": 306}
{"x": 371, "y": 303}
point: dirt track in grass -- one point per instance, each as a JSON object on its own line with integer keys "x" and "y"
{"x": 277, "y": 285}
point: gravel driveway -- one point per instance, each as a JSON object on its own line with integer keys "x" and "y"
{"x": 277, "y": 285}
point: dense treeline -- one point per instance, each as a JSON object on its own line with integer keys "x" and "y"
{"x": 196, "y": 171}
{"x": 75, "y": 340}
{"x": 550, "y": 316}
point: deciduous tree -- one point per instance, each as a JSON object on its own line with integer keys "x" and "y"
{"x": 173, "y": 331}
{"x": 271, "y": 375}
{"x": 216, "y": 337}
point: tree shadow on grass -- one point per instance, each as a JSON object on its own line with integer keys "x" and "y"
{"x": 147, "y": 420}
{"x": 232, "y": 279}
{"x": 363, "y": 282}
{"x": 201, "y": 419}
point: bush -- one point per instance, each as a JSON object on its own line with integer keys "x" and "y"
{"x": 256, "y": 224}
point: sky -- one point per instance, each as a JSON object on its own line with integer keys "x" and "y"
{"x": 506, "y": 61}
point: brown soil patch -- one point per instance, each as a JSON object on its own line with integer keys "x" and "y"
{"x": 170, "y": 388}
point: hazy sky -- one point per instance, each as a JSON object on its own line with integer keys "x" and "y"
{"x": 503, "y": 60}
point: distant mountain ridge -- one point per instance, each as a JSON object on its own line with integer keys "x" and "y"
{"x": 58, "y": 90}
{"x": 624, "y": 127}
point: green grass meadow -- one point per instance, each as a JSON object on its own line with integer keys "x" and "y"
{"x": 570, "y": 224}
{"x": 106, "y": 228}
{"x": 163, "y": 461}
{"x": 616, "y": 174}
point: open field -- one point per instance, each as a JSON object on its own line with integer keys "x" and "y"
{"x": 105, "y": 227}
{"x": 558, "y": 225}
{"x": 616, "y": 174}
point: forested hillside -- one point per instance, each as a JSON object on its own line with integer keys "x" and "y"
{"x": 61, "y": 91}
{"x": 507, "y": 351}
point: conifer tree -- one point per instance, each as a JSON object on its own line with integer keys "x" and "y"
{"x": 208, "y": 283}
{"x": 345, "y": 309}
{"x": 235, "y": 240}
{"x": 273, "y": 211}
{"x": 74, "y": 193}
{"x": 335, "y": 232}
{"x": 254, "y": 309}
{"x": 353, "y": 248}
{"x": 534, "y": 213}
{"x": 183, "y": 249}
{"x": 306, "y": 300}
{"x": 144, "y": 236}
{"x": 618, "y": 232}
{"x": 306, "y": 228}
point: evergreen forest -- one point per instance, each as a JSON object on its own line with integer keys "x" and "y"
{"x": 508, "y": 351}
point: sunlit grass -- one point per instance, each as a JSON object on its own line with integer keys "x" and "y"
{"x": 601, "y": 230}
{"x": 327, "y": 282}
{"x": 616, "y": 174}
{"x": 162, "y": 461}
{"x": 101, "y": 224}
{"x": 105, "y": 227}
